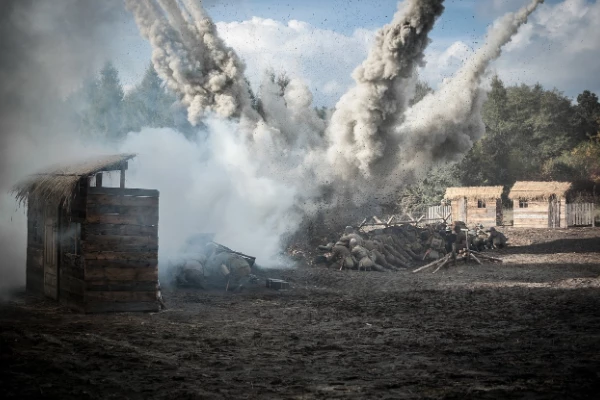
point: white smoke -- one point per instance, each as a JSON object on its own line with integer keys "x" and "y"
{"x": 211, "y": 185}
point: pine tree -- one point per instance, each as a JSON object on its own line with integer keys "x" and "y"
{"x": 107, "y": 104}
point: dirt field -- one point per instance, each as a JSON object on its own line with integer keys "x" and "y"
{"x": 526, "y": 329}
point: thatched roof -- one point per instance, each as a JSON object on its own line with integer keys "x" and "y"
{"x": 538, "y": 190}
{"x": 58, "y": 182}
{"x": 474, "y": 192}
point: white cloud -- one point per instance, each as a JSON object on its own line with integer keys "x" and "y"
{"x": 443, "y": 62}
{"x": 333, "y": 87}
{"x": 323, "y": 58}
{"x": 559, "y": 47}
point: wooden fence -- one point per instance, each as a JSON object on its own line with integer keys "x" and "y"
{"x": 439, "y": 214}
{"x": 580, "y": 214}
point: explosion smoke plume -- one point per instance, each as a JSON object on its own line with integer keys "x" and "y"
{"x": 364, "y": 117}
{"x": 192, "y": 59}
{"x": 444, "y": 125}
{"x": 374, "y": 143}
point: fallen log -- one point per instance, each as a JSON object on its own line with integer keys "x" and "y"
{"x": 475, "y": 258}
{"x": 441, "y": 265}
{"x": 443, "y": 259}
{"x": 481, "y": 255}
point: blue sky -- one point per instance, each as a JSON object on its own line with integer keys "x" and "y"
{"x": 460, "y": 29}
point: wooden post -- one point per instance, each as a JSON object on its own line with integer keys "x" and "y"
{"x": 122, "y": 177}
{"x": 99, "y": 179}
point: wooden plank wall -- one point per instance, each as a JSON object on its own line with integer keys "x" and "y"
{"x": 71, "y": 281}
{"x": 533, "y": 216}
{"x": 120, "y": 250}
{"x": 580, "y": 214}
{"x": 34, "y": 275}
{"x": 485, "y": 216}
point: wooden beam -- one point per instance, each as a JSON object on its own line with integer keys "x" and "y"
{"x": 119, "y": 230}
{"x": 124, "y": 192}
{"x": 122, "y": 184}
{"x": 133, "y": 201}
{"x": 140, "y": 274}
{"x": 99, "y": 179}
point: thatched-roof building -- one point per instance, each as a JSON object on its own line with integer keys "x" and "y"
{"x": 540, "y": 204}
{"x": 476, "y": 204}
{"x": 91, "y": 247}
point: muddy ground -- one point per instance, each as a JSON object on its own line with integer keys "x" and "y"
{"x": 526, "y": 329}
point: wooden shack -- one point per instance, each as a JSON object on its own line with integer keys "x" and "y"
{"x": 540, "y": 204}
{"x": 92, "y": 248}
{"x": 476, "y": 204}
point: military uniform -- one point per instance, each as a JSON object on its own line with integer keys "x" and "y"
{"x": 496, "y": 240}
{"x": 480, "y": 239}
{"x": 342, "y": 254}
{"x": 227, "y": 268}
{"x": 461, "y": 241}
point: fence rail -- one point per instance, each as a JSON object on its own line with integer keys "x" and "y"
{"x": 580, "y": 214}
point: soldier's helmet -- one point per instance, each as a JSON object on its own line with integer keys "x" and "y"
{"x": 353, "y": 242}
{"x": 349, "y": 229}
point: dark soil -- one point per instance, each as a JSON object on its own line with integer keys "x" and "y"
{"x": 526, "y": 329}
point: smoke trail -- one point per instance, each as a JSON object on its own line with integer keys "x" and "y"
{"x": 445, "y": 124}
{"x": 364, "y": 116}
{"x": 192, "y": 59}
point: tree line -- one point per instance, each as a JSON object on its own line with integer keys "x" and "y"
{"x": 102, "y": 109}
{"x": 532, "y": 133}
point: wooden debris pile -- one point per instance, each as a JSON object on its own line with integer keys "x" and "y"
{"x": 391, "y": 248}
{"x": 383, "y": 246}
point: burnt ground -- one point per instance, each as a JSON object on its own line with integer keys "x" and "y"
{"x": 525, "y": 329}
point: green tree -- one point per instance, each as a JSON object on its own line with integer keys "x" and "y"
{"x": 107, "y": 103}
{"x": 587, "y": 115}
{"x": 97, "y": 106}
{"x": 430, "y": 190}
{"x": 148, "y": 104}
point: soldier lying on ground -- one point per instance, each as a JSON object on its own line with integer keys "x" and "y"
{"x": 215, "y": 266}
{"x": 227, "y": 269}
